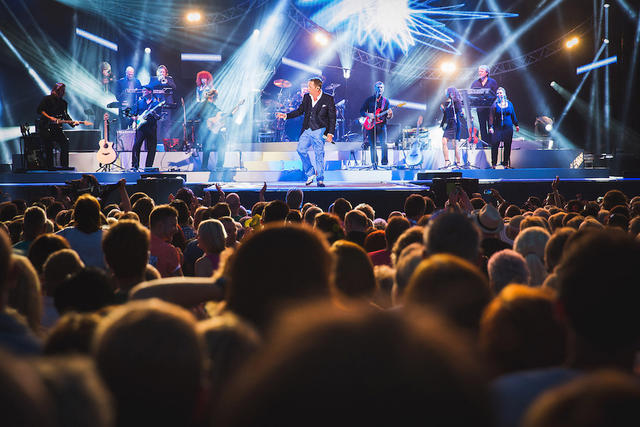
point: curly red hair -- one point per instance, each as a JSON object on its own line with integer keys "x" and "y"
{"x": 203, "y": 75}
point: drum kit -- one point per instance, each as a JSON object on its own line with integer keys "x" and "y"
{"x": 270, "y": 128}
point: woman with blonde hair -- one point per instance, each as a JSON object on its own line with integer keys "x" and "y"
{"x": 211, "y": 239}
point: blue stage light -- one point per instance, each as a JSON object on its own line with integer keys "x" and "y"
{"x": 597, "y": 64}
{"x": 201, "y": 57}
{"x": 96, "y": 39}
{"x": 301, "y": 66}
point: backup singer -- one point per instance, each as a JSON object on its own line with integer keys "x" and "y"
{"x": 146, "y": 132}
{"x": 319, "y": 111}
{"x": 126, "y": 94}
{"x": 378, "y": 134}
{"x": 51, "y": 110}
{"x": 482, "y": 82}
{"x": 164, "y": 82}
{"x": 452, "y": 118}
{"x": 502, "y": 118}
{"x": 106, "y": 77}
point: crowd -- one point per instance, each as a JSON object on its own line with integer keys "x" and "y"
{"x": 193, "y": 312}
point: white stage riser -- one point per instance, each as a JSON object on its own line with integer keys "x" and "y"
{"x": 287, "y": 160}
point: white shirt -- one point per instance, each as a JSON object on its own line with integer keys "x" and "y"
{"x": 314, "y": 102}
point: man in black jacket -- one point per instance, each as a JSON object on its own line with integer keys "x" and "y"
{"x": 319, "y": 122}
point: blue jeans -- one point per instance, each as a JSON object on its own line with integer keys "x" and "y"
{"x": 308, "y": 139}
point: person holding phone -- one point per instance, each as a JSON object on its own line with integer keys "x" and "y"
{"x": 502, "y": 118}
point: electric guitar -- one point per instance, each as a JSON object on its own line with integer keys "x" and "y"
{"x": 143, "y": 118}
{"x": 45, "y": 125}
{"x": 370, "y": 123}
{"x": 217, "y": 122}
{"x": 106, "y": 154}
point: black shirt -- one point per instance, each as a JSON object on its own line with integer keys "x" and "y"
{"x": 141, "y": 106}
{"x": 53, "y": 106}
{"x": 372, "y": 104}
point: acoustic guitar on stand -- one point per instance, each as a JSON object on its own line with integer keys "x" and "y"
{"x": 106, "y": 154}
{"x": 370, "y": 123}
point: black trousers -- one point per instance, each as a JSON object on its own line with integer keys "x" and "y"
{"x": 52, "y": 137}
{"x": 381, "y": 136}
{"x": 504, "y": 135}
{"x": 147, "y": 133}
{"x": 483, "y": 124}
{"x": 213, "y": 142}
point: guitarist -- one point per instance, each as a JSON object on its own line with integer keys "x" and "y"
{"x": 51, "y": 110}
{"x": 147, "y": 132}
{"x": 378, "y": 134}
{"x": 210, "y": 130}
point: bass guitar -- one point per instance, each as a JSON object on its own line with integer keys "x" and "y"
{"x": 369, "y": 123}
{"x": 217, "y": 122}
{"x": 143, "y": 118}
{"x": 106, "y": 155}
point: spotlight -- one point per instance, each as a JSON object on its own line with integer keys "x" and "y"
{"x": 346, "y": 73}
{"x": 193, "y": 16}
{"x": 448, "y": 67}
{"x": 256, "y": 32}
{"x": 572, "y": 42}
{"x": 147, "y": 50}
{"x": 321, "y": 38}
{"x": 552, "y": 84}
{"x": 606, "y": 5}
{"x": 543, "y": 126}
{"x": 606, "y": 41}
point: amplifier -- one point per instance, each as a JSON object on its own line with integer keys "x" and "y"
{"x": 83, "y": 140}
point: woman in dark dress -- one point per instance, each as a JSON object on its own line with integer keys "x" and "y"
{"x": 452, "y": 116}
{"x": 502, "y": 118}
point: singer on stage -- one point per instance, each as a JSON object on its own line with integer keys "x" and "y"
{"x": 502, "y": 118}
{"x": 452, "y": 119}
{"x": 483, "y": 82}
{"x": 378, "y": 134}
{"x": 319, "y": 119}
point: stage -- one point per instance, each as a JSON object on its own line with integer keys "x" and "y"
{"x": 348, "y": 174}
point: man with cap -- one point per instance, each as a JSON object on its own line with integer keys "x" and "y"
{"x": 491, "y": 225}
{"x": 146, "y": 114}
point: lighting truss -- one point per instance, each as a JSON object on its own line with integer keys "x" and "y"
{"x": 210, "y": 19}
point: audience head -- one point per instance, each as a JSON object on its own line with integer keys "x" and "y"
{"x": 275, "y": 211}
{"x": 519, "y": 331}
{"x": 72, "y": 334}
{"x": 614, "y": 198}
{"x": 24, "y": 293}
{"x": 310, "y": 214}
{"x": 409, "y": 236}
{"x": 375, "y": 241}
{"x": 294, "y": 198}
{"x": 58, "y": 266}
{"x": 452, "y": 233}
{"x": 33, "y": 222}
{"x": 367, "y": 209}
{"x": 151, "y": 358}
{"x": 406, "y": 263}
{"x": 88, "y": 290}
{"x": 452, "y": 286}
{"x": 352, "y": 271}
{"x": 126, "y": 249}
{"x": 184, "y": 214}
{"x": 276, "y": 266}
{"x": 602, "y": 398}
{"x": 163, "y": 222}
{"x": 43, "y": 246}
{"x": 507, "y": 266}
{"x": 396, "y": 226}
{"x": 414, "y": 206}
{"x": 341, "y": 207}
{"x": 211, "y": 236}
{"x": 330, "y": 226}
{"x": 86, "y": 214}
{"x": 555, "y": 247}
{"x": 143, "y": 207}
{"x": 356, "y": 220}
{"x": 531, "y": 243}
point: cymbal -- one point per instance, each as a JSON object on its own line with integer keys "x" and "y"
{"x": 332, "y": 86}
{"x": 282, "y": 83}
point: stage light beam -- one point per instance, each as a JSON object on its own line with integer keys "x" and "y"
{"x": 96, "y": 39}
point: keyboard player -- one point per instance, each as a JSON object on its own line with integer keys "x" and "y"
{"x": 485, "y": 82}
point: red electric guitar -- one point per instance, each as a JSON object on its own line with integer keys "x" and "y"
{"x": 370, "y": 123}
{"x": 106, "y": 154}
